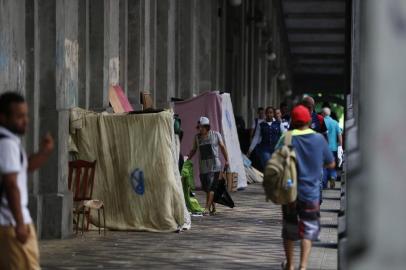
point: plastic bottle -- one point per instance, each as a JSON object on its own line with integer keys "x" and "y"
{"x": 289, "y": 184}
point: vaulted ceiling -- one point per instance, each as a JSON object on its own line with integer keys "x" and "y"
{"x": 317, "y": 35}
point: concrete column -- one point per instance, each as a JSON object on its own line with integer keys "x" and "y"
{"x": 83, "y": 39}
{"x": 12, "y": 46}
{"x": 150, "y": 46}
{"x": 56, "y": 82}
{"x": 111, "y": 74}
{"x": 184, "y": 45}
{"x": 135, "y": 60}
{"x": 204, "y": 45}
{"x": 123, "y": 47}
{"x": 98, "y": 95}
{"x": 165, "y": 52}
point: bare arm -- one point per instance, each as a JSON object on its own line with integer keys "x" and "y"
{"x": 193, "y": 151}
{"x": 256, "y": 140}
{"x": 331, "y": 165}
{"x": 224, "y": 151}
{"x": 37, "y": 160}
{"x": 14, "y": 203}
{"x": 340, "y": 139}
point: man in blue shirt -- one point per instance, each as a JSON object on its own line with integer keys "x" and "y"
{"x": 301, "y": 220}
{"x": 335, "y": 142}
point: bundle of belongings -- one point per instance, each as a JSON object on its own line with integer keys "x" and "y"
{"x": 137, "y": 175}
{"x": 253, "y": 175}
{"x": 218, "y": 108}
{"x": 188, "y": 187}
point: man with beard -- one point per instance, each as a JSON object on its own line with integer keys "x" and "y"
{"x": 18, "y": 241}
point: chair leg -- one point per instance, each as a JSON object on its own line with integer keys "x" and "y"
{"x": 83, "y": 219}
{"x": 77, "y": 221}
{"x": 98, "y": 219}
{"x": 104, "y": 221}
{"x": 87, "y": 220}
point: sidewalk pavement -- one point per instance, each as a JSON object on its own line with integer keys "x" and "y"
{"x": 246, "y": 237}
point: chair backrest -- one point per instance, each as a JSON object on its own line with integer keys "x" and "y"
{"x": 81, "y": 179}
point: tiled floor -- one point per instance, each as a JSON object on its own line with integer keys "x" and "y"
{"x": 247, "y": 237}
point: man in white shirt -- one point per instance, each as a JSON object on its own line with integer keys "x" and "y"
{"x": 18, "y": 242}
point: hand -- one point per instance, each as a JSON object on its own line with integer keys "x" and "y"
{"x": 47, "y": 144}
{"x": 226, "y": 164}
{"x": 22, "y": 233}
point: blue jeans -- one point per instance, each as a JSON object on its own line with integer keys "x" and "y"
{"x": 329, "y": 173}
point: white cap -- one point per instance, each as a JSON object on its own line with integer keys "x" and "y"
{"x": 204, "y": 121}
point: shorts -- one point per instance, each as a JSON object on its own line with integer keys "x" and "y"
{"x": 209, "y": 181}
{"x": 301, "y": 220}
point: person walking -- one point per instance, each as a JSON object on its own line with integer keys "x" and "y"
{"x": 18, "y": 241}
{"x": 257, "y": 121}
{"x": 317, "y": 123}
{"x": 208, "y": 142}
{"x": 279, "y": 118}
{"x": 265, "y": 138}
{"x": 301, "y": 219}
{"x": 335, "y": 143}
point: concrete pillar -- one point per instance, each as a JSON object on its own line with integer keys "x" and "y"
{"x": 12, "y": 46}
{"x": 56, "y": 83}
{"x": 149, "y": 63}
{"x": 83, "y": 40}
{"x": 135, "y": 60}
{"x": 123, "y": 47}
{"x": 111, "y": 74}
{"x": 184, "y": 48}
{"x": 98, "y": 96}
{"x": 165, "y": 52}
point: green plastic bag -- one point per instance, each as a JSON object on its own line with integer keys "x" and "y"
{"x": 189, "y": 185}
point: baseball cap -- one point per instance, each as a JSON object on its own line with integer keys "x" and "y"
{"x": 204, "y": 121}
{"x": 301, "y": 114}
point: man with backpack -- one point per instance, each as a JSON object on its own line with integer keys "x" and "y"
{"x": 301, "y": 218}
{"x": 18, "y": 241}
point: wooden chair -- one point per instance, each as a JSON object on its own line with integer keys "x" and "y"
{"x": 81, "y": 182}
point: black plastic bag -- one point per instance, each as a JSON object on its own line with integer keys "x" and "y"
{"x": 222, "y": 196}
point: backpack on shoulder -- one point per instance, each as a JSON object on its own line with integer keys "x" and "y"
{"x": 280, "y": 174}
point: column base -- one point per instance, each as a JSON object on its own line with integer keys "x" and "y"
{"x": 54, "y": 216}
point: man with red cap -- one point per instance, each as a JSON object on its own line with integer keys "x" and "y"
{"x": 301, "y": 219}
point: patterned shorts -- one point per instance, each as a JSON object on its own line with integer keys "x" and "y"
{"x": 209, "y": 181}
{"x": 301, "y": 220}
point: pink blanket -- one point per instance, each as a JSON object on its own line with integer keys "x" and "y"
{"x": 189, "y": 111}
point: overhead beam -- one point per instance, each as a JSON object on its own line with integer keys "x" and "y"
{"x": 301, "y": 6}
{"x": 313, "y": 30}
{"x": 318, "y": 50}
{"x": 320, "y": 42}
{"x": 316, "y": 23}
{"x": 316, "y": 37}
{"x": 322, "y": 56}
{"x": 317, "y": 61}
{"x": 319, "y": 70}
{"x": 315, "y": 15}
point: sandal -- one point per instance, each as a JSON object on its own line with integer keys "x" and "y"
{"x": 205, "y": 212}
{"x": 213, "y": 212}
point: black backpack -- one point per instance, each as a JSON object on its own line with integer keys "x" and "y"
{"x": 2, "y": 136}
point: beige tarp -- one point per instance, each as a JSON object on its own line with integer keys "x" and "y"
{"x": 120, "y": 144}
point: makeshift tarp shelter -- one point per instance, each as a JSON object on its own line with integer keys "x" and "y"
{"x": 218, "y": 108}
{"x": 122, "y": 143}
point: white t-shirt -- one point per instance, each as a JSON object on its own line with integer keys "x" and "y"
{"x": 10, "y": 162}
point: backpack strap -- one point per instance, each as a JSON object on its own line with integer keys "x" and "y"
{"x": 288, "y": 138}
{"x": 3, "y": 136}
